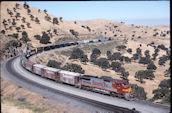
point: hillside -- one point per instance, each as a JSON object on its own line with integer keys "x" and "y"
{"x": 34, "y": 22}
{"x": 62, "y": 28}
{"x": 85, "y": 29}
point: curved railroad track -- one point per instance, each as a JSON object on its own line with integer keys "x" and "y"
{"x": 13, "y": 68}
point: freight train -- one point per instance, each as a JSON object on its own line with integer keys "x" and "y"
{"x": 104, "y": 85}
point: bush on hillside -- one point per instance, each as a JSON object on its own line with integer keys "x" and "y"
{"x": 163, "y": 59}
{"x": 55, "y": 21}
{"x": 147, "y": 54}
{"x": 121, "y": 47}
{"x": 151, "y": 66}
{"x": 37, "y": 20}
{"x": 129, "y": 50}
{"x": 28, "y": 25}
{"x": 47, "y": 18}
{"x": 162, "y": 47}
{"x": 61, "y": 19}
{"x": 96, "y": 51}
{"x": 108, "y": 54}
{"x": 73, "y": 68}
{"x": 3, "y": 31}
{"x": 14, "y": 35}
{"x": 135, "y": 56}
{"x": 84, "y": 59}
{"x": 12, "y": 43}
{"x": 115, "y": 65}
{"x": 116, "y": 56}
{"x": 139, "y": 52}
{"x": 45, "y": 38}
{"x": 93, "y": 58}
{"x": 144, "y": 74}
{"x": 25, "y": 37}
{"x": 163, "y": 91}
{"x": 124, "y": 75}
{"x": 145, "y": 60}
{"x": 127, "y": 59}
{"x": 53, "y": 64}
{"x": 18, "y": 29}
{"x": 167, "y": 71}
{"x": 77, "y": 53}
{"x": 75, "y": 33}
{"x": 102, "y": 62}
{"x": 38, "y": 37}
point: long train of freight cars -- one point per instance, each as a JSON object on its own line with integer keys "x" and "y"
{"x": 46, "y": 48}
{"x": 104, "y": 85}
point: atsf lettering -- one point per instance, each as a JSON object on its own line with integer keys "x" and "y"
{"x": 102, "y": 84}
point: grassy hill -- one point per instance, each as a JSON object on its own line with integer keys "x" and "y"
{"x": 17, "y": 18}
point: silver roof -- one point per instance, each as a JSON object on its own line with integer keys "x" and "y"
{"x": 69, "y": 73}
{"x": 51, "y": 69}
{"x": 38, "y": 65}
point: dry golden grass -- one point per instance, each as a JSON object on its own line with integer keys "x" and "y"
{"x": 98, "y": 28}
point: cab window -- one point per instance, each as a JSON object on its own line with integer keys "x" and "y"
{"x": 123, "y": 84}
{"x": 118, "y": 84}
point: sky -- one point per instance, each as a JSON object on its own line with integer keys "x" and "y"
{"x": 131, "y": 12}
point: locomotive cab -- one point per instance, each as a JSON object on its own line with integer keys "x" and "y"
{"x": 124, "y": 88}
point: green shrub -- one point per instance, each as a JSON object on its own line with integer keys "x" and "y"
{"x": 144, "y": 74}
{"x": 102, "y": 62}
{"x": 74, "y": 68}
{"x": 54, "y": 64}
{"x": 163, "y": 91}
{"x": 45, "y": 38}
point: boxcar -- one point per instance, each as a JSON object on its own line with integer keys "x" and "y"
{"x": 47, "y": 48}
{"x": 72, "y": 43}
{"x": 38, "y": 69}
{"x": 51, "y": 73}
{"x": 67, "y": 44}
{"x": 40, "y": 49}
{"x": 52, "y": 47}
{"x": 95, "y": 40}
{"x": 91, "y": 41}
{"x": 69, "y": 77}
{"x": 29, "y": 65}
{"x": 104, "y": 39}
{"x": 83, "y": 42}
{"x": 57, "y": 46}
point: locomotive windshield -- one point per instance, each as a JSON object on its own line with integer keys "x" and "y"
{"x": 125, "y": 83}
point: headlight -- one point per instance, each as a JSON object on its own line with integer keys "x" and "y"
{"x": 127, "y": 90}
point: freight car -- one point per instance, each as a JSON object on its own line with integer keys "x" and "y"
{"x": 51, "y": 73}
{"x": 103, "y": 39}
{"x": 95, "y": 40}
{"x": 29, "y": 65}
{"x": 83, "y": 42}
{"x": 38, "y": 69}
{"x": 40, "y": 49}
{"x": 70, "y": 78}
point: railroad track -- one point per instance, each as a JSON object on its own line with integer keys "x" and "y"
{"x": 115, "y": 109}
{"x": 141, "y": 106}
